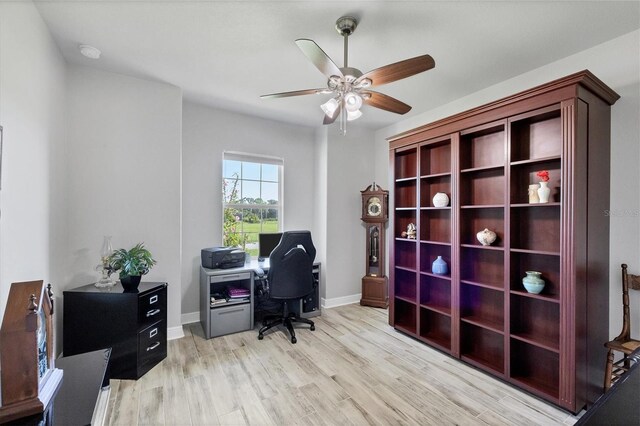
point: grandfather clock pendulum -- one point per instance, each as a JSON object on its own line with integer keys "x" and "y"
{"x": 375, "y": 215}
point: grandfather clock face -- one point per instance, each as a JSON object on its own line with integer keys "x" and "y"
{"x": 374, "y": 207}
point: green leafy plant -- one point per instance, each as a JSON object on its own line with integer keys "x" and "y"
{"x": 231, "y": 235}
{"x": 133, "y": 262}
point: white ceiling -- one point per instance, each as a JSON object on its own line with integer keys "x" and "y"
{"x": 227, "y": 53}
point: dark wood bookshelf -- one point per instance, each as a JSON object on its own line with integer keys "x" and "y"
{"x": 549, "y": 344}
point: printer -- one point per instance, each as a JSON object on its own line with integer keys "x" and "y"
{"x": 222, "y": 257}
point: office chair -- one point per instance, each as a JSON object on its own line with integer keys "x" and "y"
{"x": 290, "y": 278}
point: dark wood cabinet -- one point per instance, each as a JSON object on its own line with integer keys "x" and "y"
{"x": 134, "y": 325}
{"x": 549, "y": 344}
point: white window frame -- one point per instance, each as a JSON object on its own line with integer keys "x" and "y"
{"x": 261, "y": 159}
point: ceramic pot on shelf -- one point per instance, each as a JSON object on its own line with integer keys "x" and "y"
{"x": 543, "y": 192}
{"x": 486, "y": 237}
{"x": 532, "y": 282}
{"x": 439, "y": 266}
{"x": 440, "y": 199}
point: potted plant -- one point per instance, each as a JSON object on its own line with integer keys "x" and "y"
{"x": 131, "y": 265}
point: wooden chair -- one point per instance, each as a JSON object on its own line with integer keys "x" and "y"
{"x": 623, "y": 343}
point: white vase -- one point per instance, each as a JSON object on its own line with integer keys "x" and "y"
{"x": 440, "y": 199}
{"x": 533, "y": 193}
{"x": 486, "y": 237}
{"x": 543, "y": 192}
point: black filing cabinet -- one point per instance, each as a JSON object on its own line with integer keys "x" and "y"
{"x": 134, "y": 325}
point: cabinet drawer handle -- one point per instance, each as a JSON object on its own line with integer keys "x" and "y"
{"x": 153, "y": 332}
{"x": 153, "y": 312}
{"x": 232, "y": 311}
{"x": 230, "y": 277}
{"x": 153, "y": 299}
{"x": 152, "y": 347}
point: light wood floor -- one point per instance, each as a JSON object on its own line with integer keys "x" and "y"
{"x": 354, "y": 369}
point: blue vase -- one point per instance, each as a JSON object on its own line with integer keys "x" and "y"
{"x": 439, "y": 266}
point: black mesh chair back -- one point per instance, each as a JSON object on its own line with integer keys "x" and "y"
{"x": 290, "y": 277}
{"x": 290, "y": 266}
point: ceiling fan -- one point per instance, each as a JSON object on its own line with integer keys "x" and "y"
{"x": 350, "y": 87}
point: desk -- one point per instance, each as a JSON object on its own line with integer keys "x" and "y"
{"x": 75, "y": 402}
{"x": 238, "y": 315}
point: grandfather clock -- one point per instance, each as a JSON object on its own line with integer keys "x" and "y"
{"x": 375, "y": 214}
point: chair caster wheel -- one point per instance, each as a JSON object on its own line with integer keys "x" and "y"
{"x": 294, "y": 340}
{"x": 313, "y": 327}
{"x": 260, "y": 337}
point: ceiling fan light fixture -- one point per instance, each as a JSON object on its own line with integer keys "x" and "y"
{"x": 353, "y": 115}
{"x": 350, "y": 87}
{"x": 364, "y": 83}
{"x": 330, "y": 107}
{"x": 352, "y": 102}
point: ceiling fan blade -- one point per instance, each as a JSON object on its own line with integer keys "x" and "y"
{"x": 398, "y": 70}
{"x": 320, "y": 59}
{"x": 296, "y": 93}
{"x": 330, "y": 120}
{"x": 382, "y": 101}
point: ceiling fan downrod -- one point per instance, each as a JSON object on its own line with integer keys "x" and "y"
{"x": 345, "y": 26}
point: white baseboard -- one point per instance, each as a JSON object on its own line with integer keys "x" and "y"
{"x": 174, "y": 333}
{"x": 339, "y": 301}
{"x": 190, "y": 318}
{"x": 178, "y": 332}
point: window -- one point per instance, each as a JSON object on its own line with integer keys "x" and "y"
{"x": 252, "y": 199}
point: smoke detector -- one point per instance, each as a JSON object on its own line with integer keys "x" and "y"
{"x": 89, "y": 51}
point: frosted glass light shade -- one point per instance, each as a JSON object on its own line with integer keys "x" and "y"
{"x": 352, "y": 102}
{"x": 330, "y": 107}
{"x": 353, "y": 115}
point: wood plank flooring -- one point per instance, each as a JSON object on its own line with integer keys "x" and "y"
{"x": 353, "y": 369}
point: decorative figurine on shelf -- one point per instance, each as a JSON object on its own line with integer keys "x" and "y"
{"x": 486, "y": 237}
{"x": 543, "y": 191}
{"x": 533, "y": 193}
{"x": 411, "y": 231}
{"x": 105, "y": 267}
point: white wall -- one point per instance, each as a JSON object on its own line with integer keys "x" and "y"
{"x": 320, "y": 214}
{"x": 207, "y": 132}
{"x": 617, "y": 64}
{"x": 32, "y": 112}
{"x": 349, "y": 170}
{"x": 123, "y": 174}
